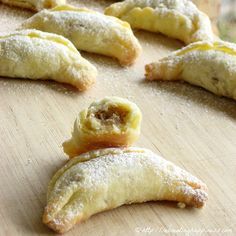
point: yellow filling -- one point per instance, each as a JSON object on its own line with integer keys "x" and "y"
{"x": 206, "y": 47}
{"x": 71, "y": 8}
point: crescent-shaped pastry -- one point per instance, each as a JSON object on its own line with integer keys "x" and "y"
{"x": 178, "y": 19}
{"x": 34, "y": 5}
{"x": 89, "y": 31}
{"x": 108, "y": 178}
{"x": 110, "y": 122}
{"x": 211, "y": 65}
{"x": 34, "y": 54}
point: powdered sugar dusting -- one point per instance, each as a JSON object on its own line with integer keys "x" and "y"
{"x": 113, "y": 177}
{"x": 53, "y": 56}
{"x": 67, "y": 21}
{"x": 207, "y": 64}
{"x": 89, "y": 31}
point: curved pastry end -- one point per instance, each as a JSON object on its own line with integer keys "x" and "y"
{"x": 82, "y": 77}
{"x": 59, "y": 224}
{"x": 70, "y": 148}
{"x": 195, "y": 195}
{"x": 165, "y": 69}
{"x": 155, "y": 71}
{"x": 132, "y": 53}
{"x": 150, "y": 73}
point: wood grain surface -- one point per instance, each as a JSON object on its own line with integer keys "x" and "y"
{"x": 187, "y": 125}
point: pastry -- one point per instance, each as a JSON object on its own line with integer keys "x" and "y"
{"x": 110, "y": 122}
{"x": 178, "y": 19}
{"x": 33, "y": 54}
{"x": 34, "y": 5}
{"x": 89, "y": 31}
{"x": 104, "y": 179}
{"x": 211, "y": 65}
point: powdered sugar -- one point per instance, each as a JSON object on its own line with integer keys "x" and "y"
{"x": 207, "y": 64}
{"x": 89, "y": 31}
{"x": 37, "y": 55}
{"x": 108, "y": 178}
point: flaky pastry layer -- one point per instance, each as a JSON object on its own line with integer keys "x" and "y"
{"x": 110, "y": 122}
{"x": 178, "y": 19}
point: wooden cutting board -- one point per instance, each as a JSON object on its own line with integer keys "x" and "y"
{"x": 187, "y": 125}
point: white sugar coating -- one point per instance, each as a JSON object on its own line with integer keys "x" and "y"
{"x": 38, "y": 55}
{"x": 208, "y": 64}
{"x": 89, "y": 31}
{"x": 23, "y": 41}
{"x": 185, "y": 7}
{"x": 29, "y": 35}
{"x": 87, "y": 22}
{"x": 12, "y": 17}
{"x": 120, "y": 172}
{"x": 87, "y": 19}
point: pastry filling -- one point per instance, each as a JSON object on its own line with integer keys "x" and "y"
{"x": 112, "y": 116}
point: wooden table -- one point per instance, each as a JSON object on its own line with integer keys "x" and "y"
{"x": 187, "y": 125}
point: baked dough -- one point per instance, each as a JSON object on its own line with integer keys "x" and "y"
{"x": 211, "y": 65}
{"x": 34, "y": 54}
{"x": 108, "y": 178}
{"x": 178, "y": 19}
{"x": 89, "y": 31}
{"x": 34, "y": 5}
{"x": 110, "y": 122}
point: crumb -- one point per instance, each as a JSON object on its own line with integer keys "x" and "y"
{"x": 181, "y": 205}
